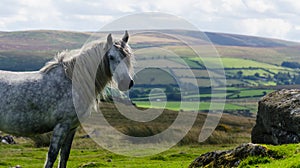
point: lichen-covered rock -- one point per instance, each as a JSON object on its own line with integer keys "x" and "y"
{"x": 278, "y": 118}
{"x": 229, "y": 158}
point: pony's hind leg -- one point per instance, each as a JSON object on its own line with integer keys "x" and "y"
{"x": 59, "y": 134}
{"x": 66, "y": 148}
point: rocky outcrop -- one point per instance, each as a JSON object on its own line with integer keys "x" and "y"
{"x": 7, "y": 139}
{"x": 278, "y": 118}
{"x": 229, "y": 158}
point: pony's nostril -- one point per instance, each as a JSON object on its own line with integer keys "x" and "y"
{"x": 131, "y": 84}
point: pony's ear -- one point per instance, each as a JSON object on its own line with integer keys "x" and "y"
{"x": 109, "y": 40}
{"x": 125, "y": 37}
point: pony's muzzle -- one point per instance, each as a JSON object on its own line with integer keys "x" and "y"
{"x": 125, "y": 85}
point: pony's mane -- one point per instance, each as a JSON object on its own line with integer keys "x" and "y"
{"x": 91, "y": 55}
{"x": 67, "y": 58}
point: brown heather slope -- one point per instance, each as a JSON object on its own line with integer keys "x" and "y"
{"x": 231, "y": 129}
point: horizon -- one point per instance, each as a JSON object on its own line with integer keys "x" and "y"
{"x": 94, "y": 31}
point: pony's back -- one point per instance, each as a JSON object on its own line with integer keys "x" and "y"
{"x": 31, "y": 102}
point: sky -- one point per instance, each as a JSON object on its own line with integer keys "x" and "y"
{"x": 267, "y": 18}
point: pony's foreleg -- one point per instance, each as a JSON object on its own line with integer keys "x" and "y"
{"x": 59, "y": 134}
{"x": 66, "y": 148}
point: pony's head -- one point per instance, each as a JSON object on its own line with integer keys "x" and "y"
{"x": 119, "y": 58}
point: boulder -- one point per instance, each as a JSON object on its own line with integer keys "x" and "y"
{"x": 7, "y": 139}
{"x": 278, "y": 118}
{"x": 229, "y": 158}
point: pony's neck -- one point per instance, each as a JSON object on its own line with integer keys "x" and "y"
{"x": 88, "y": 68}
{"x": 96, "y": 65}
{"x": 103, "y": 75}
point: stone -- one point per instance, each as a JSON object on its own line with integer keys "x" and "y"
{"x": 278, "y": 118}
{"x": 7, "y": 139}
{"x": 229, "y": 158}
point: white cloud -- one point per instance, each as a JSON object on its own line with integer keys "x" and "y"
{"x": 4, "y": 22}
{"x": 101, "y": 18}
{"x": 232, "y": 5}
{"x": 297, "y": 28}
{"x": 277, "y": 19}
{"x": 30, "y": 14}
{"x": 289, "y": 6}
{"x": 206, "y": 6}
{"x": 260, "y": 5}
{"x": 271, "y": 27}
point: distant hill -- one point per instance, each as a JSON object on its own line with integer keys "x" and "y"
{"x": 226, "y": 39}
{"x": 42, "y": 40}
{"x": 47, "y": 40}
{"x": 29, "y": 50}
{"x": 249, "y": 41}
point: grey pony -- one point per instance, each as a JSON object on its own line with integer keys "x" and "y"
{"x": 41, "y": 101}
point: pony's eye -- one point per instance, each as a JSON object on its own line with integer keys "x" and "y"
{"x": 111, "y": 58}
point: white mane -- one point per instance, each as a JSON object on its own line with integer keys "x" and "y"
{"x": 90, "y": 55}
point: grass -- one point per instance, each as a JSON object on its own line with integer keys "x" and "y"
{"x": 261, "y": 54}
{"x": 232, "y": 66}
{"x": 150, "y": 76}
{"x": 34, "y": 157}
{"x": 237, "y": 99}
{"x": 175, "y": 105}
{"x": 246, "y": 93}
{"x": 234, "y": 92}
{"x": 285, "y": 156}
{"x": 229, "y": 62}
{"x": 85, "y": 153}
{"x": 207, "y": 95}
{"x": 29, "y": 157}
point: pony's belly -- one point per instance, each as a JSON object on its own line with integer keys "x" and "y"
{"x": 21, "y": 125}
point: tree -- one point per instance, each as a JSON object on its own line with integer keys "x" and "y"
{"x": 297, "y": 79}
{"x": 282, "y": 78}
{"x": 173, "y": 93}
{"x": 293, "y": 65}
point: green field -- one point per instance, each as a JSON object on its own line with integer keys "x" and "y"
{"x": 249, "y": 78}
{"x": 238, "y": 99}
{"x": 246, "y": 93}
{"x": 85, "y": 153}
{"x": 288, "y": 156}
{"x": 94, "y": 156}
{"x": 229, "y": 62}
{"x": 175, "y": 105}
